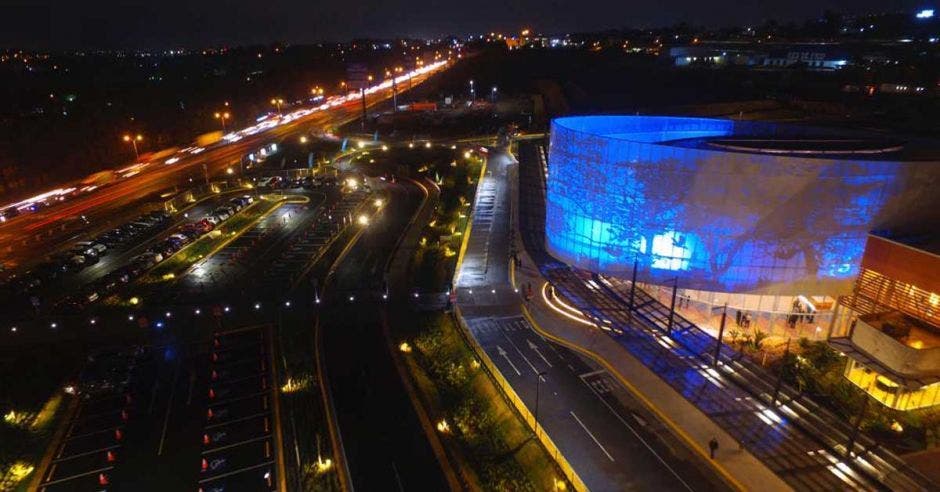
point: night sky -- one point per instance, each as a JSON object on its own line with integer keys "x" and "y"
{"x": 199, "y": 23}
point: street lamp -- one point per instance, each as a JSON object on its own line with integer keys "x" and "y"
{"x": 493, "y": 92}
{"x": 222, "y": 117}
{"x": 538, "y": 380}
{"x": 133, "y": 140}
{"x": 277, "y": 102}
{"x": 472, "y": 91}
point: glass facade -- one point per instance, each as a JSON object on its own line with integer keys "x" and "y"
{"x": 620, "y": 188}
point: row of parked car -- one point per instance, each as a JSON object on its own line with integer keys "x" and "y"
{"x": 83, "y": 254}
{"x": 155, "y": 254}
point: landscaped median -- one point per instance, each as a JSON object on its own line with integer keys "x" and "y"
{"x": 213, "y": 241}
{"x": 492, "y": 439}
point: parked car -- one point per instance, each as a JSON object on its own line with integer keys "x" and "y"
{"x": 99, "y": 248}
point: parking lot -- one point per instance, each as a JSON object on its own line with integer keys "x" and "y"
{"x": 238, "y": 434}
{"x": 175, "y": 417}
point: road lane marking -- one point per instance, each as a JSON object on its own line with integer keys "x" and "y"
{"x": 86, "y": 453}
{"x": 638, "y": 436}
{"x": 77, "y": 475}
{"x": 227, "y": 446}
{"x": 592, "y": 373}
{"x": 235, "y": 421}
{"x": 536, "y": 350}
{"x": 169, "y": 406}
{"x": 240, "y": 470}
{"x": 192, "y": 382}
{"x": 92, "y": 433}
{"x": 526, "y": 359}
{"x": 502, "y": 352}
{"x": 592, "y": 435}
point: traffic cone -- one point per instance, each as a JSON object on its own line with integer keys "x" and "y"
{"x": 209, "y": 413}
{"x": 124, "y": 415}
{"x": 215, "y": 375}
{"x": 205, "y": 439}
{"x": 211, "y": 393}
{"x": 103, "y": 479}
{"x": 118, "y": 435}
{"x": 205, "y": 464}
{"x": 111, "y": 456}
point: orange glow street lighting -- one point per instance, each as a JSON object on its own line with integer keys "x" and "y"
{"x": 277, "y": 102}
{"x": 133, "y": 140}
{"x": 222, "y": 117}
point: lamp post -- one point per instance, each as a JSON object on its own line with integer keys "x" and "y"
{"x": 222, "y": 117}
{"x": 133, "y": 140}
{"x": 538, "y": 381}
{"x": 277, "y": 102}
{"x": 493, "y": 93}
{"x": 472, "y": 91}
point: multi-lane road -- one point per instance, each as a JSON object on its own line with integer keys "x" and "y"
{"x": 23, "y": 235}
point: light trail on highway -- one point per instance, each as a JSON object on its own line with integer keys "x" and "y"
{"x": 155, "y": 176}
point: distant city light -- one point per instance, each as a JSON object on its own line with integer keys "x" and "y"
{"x": 925, "y": 14}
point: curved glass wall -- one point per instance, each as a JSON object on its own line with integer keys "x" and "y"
{"x": 621, "y": 188}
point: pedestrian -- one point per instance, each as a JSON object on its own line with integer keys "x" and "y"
{"x": 712, "y": 447}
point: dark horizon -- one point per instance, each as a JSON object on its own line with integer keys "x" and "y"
{"x": 110, "y": 24}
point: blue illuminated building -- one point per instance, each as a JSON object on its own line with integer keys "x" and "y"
{"x": 730, "y": 206}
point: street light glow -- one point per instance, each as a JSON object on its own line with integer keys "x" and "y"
{"x": 363, "y": 220}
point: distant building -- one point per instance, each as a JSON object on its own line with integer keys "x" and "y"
{"x": 812, "y": 56}
{"x": 716, "y": 55}
{"x": 889, "y": 326}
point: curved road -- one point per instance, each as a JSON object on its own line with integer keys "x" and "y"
{"x": 384, "y": 442}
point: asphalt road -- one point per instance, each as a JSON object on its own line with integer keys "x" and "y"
{"x": 383, "y": 439}
{"x": 606, "y": 444}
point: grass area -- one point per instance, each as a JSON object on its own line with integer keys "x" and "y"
{"x": 817, "y": 370}
{"x": 209, "y": 243}
{"x": 24, "y": 436}
{"x": 302, "y": 405}
{"x": 499, "y": 447}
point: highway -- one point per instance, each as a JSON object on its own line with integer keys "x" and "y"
{"x": 24, "y": 234}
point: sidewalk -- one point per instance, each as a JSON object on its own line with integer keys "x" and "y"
{"x": 737, "y": 466}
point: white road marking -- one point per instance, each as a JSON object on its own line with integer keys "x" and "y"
{"x": 502, "y": 352}
{"x": 592, "y": 435}
{"x": 536, "y": 350}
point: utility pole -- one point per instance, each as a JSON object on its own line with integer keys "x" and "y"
{"x": 538, "y": 380}
{"x": 362, "y": 91}
{"x": 786, "y": 352}
{"x": 721, "y": 332}
{"x": 672, "y": 305}
{"x": 633, "y": 283}
{"x": 858, "y": 427}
